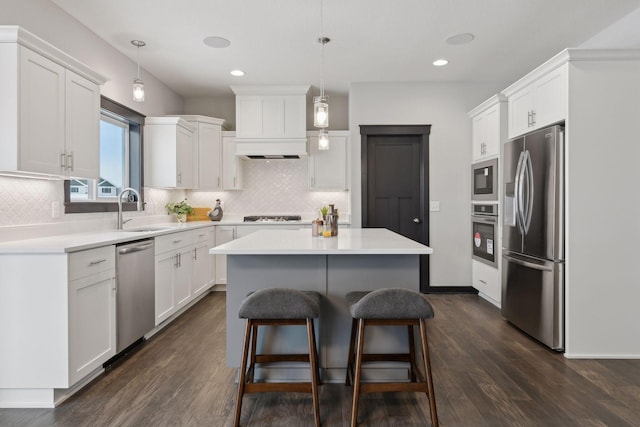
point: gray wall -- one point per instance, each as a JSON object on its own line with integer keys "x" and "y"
{"x": 443, "y": 106}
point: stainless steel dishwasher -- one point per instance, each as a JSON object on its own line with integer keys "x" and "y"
{"x": 135, "y": 301}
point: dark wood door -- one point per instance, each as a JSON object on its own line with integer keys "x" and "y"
{"x": 395, "y": 187}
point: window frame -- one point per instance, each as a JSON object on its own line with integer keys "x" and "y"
{"x": 136, "y": 156}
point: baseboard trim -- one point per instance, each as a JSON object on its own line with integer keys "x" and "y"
{"x": 452, "y": 290}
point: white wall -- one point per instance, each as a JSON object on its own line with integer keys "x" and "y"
{"x": 444, "y": 107}
{"x": 47, "y": 21}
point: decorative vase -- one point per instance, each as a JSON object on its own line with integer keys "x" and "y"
{"x": 181, "y": 217}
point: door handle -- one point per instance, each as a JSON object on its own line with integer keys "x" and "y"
{"x": 417, "y": 220}
{"x": 518, "y": 205}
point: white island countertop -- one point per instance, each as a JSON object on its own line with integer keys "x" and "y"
{"x": 350, "y": 241}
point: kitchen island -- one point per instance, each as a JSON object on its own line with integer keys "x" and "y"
{"x": 356, "y": 259}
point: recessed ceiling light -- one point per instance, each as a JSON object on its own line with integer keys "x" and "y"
{"x": 461, "y": 38}
{"x": 237, "y": 73}
{"x": 440, "y": 62}
{"x": 217, "y": 42}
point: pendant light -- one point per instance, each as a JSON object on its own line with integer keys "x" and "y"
{"x": 138, "y": 85}
{"x": 321, "y": 103}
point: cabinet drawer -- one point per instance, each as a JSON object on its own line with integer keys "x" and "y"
{"x": 201, "y": 234}
{"x": 92, "y": 261}
{"x": 486, "y": 279}
{"x": 173, "y": 241}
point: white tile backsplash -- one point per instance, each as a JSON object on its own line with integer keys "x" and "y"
{"x": 275, "y": 187}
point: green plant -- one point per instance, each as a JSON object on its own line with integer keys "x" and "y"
{"x": 181, "y": 208}
{"x": 324, "y": 210}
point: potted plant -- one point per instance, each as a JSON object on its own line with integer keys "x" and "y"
{"x": 181, "y": 209}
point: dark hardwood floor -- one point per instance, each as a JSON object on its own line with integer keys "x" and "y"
{"x": 486, "y": 373}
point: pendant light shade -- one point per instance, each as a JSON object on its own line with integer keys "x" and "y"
{"x": 138, "y": 84}
{"x": 320, "y": 111}
{"x": 323, "y": 140}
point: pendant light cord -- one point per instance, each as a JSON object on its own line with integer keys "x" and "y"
{"x": 322, "y": 42}
{"x": 138, "y": 60}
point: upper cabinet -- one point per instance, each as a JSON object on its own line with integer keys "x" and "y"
{"x": 271, "y": 120}
{"x": 207, "y": 152}
{"x": 168, "y": 156}
{"x": 488, "y": 124}
{"x": 538, "y": 100}
{"x": 231, "y": 164}
{"x": 50, "y": 104}
{"x": 328, "y": 168}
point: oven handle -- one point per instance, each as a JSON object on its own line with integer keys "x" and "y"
{"x": 486, "y": 219}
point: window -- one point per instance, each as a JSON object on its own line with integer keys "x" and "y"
{"x": 120, "y": 163}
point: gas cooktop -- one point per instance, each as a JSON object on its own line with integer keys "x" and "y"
{"x": 272, "y": 218}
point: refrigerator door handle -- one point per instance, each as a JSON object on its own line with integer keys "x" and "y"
{"x": 526, "y": 263}
{"x": 518, "y": 199}
{"x": 528, "y": 212}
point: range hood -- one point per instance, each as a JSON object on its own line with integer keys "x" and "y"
{"x": 271, "y": 121}
{"x": 266, "y": 148}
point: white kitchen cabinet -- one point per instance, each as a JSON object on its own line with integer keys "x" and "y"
{"x": 211, "y": 242}
{"x": 488, "y": 121}
{"x": 224, "y": 234}
{"x": 537, "y": 102}
{"x": 92, "y": 310}
{"x": 50, "y": 114}
{"x": 486, "y": 280}
{"x": 328, "y": 168}
{"x": 271, "y": 112}
{"x": 202, "y": 261}
{"x": 231, "y": 164}
{"x": 207, "y": 152}
{"x": 64, "y": 304}
{"x": 173, "y": 271}
{"x": 168, "y": 155}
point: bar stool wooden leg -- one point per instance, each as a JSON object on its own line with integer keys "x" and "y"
{"x": 427, "y": 368}
{"x": 412, "y": 354}
{"x": 313, "y": 361}
{"x": 358, "y": 368}
{"x": 252, "y": 362}
{"x": 243, "y": 367}
{"x": 351, "y": 355}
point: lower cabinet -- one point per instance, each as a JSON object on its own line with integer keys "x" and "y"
{"x": 486, "y": 280}
{"x": 183, "y": 269}
{"x": 224, "y": 234}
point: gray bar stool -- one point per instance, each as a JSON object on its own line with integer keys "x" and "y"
{"x": 398, "y": 307}
{"x": 278, "y": 306}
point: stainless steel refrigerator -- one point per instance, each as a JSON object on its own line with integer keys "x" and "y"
{"x": 533, "y": 235}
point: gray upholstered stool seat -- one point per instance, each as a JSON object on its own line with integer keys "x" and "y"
{"x": 278, "y": 307}
{"x": 280, "y": 303}
{"x": 393, "y": 303}
{"x": 389, "y": 307}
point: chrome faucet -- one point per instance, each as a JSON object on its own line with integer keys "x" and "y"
{"x": 139, "y": 205}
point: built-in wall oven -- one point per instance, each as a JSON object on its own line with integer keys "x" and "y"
{"x": 484, "y": 181}
{"x": 484, "y": 231}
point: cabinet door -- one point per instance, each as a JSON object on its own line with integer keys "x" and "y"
{"x": 92, "y": 323}
{"x": 492, "y": 120}
{"x": 231, "y": 165}
{"x": 249, "y": 113}
{"x": 520, "y": 107}
{"x": 201, "y": 278}
{"x": 328, "y": 168}
{"x": 184, "y": 158}
{"x": 208, "y": 157}
{"x": 82, "y": 127}
{"x": 211, "y": 242}
{"x": 224, "y": 234}
{"x": 42, "y": 115}
{"x": 166, "y": 264}
{"x": 550, "y": 94}
{"x": 479, "y": 135}
{"x": 182, "y": 283}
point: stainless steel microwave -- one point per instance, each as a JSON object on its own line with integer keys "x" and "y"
{"x": 484, "y": 181}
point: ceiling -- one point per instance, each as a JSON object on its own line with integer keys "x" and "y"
{"x": 275, "y": 41}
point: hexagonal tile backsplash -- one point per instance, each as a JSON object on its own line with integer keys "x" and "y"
{"x": 270, "y": 187}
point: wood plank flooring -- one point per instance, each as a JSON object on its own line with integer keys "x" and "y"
{"x": 486, "y": 373}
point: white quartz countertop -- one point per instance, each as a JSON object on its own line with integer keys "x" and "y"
{"x": 353, "y": 241}
{"x": 80, "y": 241}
